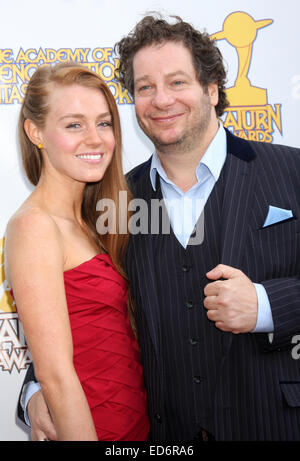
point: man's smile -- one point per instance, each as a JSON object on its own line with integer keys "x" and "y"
{"x": 165, "y": 119}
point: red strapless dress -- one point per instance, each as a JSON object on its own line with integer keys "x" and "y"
{"x": 106, "y": 354}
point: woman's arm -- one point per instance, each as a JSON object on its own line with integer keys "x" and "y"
{"x": 34, "y": 268}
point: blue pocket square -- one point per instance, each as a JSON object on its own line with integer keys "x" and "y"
{"x": 276, "y": 215}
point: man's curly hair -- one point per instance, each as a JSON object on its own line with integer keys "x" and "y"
{"x": 207, "y": 58}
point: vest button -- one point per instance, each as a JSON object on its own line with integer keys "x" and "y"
{"x": 197, "y": 379}
{"x": 189, "y": 304}
{"x": 193, "y": 342}
{"x": 185, "y": 268}
{"x": 157, "y": 417}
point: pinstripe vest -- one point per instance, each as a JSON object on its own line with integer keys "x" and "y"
{"x": 191, "y": 344}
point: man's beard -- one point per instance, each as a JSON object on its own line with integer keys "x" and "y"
{"x": 190, "y": 139}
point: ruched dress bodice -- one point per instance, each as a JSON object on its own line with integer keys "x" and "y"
{"x": 106, "y": 353}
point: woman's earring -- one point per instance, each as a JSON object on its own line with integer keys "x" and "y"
{"x": 40, "y": 146}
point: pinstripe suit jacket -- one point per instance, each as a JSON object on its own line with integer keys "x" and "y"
{"x": 258, "y": 391}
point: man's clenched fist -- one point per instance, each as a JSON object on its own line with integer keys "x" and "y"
{"x": 231, "y": 302}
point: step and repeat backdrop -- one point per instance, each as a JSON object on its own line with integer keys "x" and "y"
{"x": 259, "y": 40}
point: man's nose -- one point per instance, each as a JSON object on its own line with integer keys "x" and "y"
{"x": 162, "y": 98}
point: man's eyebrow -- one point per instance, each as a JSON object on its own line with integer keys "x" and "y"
{"x": 104, "y": 114}
{"x": 177, "y": 72}
{"x": 141, "y": 79}
{"x": 171, "y": 74}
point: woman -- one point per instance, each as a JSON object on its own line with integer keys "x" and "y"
{"x": 67, "y": 280}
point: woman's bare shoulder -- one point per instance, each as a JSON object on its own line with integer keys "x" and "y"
{"x": 31, "y": 221}
{"x": 32, "y": 234}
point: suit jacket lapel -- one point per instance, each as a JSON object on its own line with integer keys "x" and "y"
{"x": 237, "y": 205}
{"x": 238, "y": 197}
{"x": 144, "y": 247}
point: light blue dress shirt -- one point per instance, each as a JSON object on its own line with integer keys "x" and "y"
{"x": 184, "y": 211}
{"x": 186, "y": 207}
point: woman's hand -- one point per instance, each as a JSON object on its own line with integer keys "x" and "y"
{"x": 42, "y": 427}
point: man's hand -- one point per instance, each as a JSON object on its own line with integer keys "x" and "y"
{"x": 232, "y": 302}
{"x": 40, "y": 419}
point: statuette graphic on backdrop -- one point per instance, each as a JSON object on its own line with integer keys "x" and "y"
{"x": 249, "y": 115}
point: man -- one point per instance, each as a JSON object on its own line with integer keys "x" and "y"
{"x": 216, "y": 320}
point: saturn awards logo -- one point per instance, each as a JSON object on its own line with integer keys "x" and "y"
{"x": 249, "y": 116}
{"x": 14, "y": 353}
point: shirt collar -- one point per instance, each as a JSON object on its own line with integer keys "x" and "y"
{"x": 213, "y": 158}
